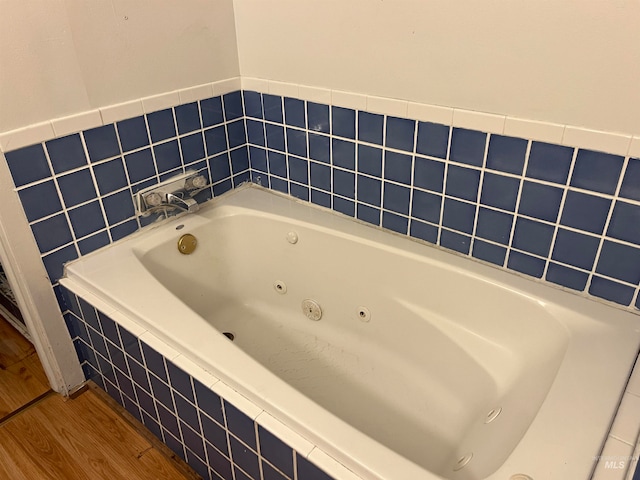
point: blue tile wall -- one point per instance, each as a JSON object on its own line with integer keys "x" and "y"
{"x": 548, "y": 211}
{"x": 212, "y": 435}
{"x": 77, "y": 190}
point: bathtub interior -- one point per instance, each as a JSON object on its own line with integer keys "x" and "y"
{"x": 476, "y": 360}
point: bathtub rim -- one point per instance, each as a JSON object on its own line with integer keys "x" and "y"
{"x": 581, "y": 305}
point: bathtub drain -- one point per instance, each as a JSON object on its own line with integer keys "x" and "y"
{"x": 229, "y": 335}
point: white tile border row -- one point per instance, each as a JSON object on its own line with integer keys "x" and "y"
{"x": 60, "y": 127}
{"x": 609, "y": 142}
{"x": 619, "y": 457}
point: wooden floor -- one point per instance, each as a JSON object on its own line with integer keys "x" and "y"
{"x": 46, "y": 436}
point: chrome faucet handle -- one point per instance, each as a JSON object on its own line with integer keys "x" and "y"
{"x": 182, "y": 200}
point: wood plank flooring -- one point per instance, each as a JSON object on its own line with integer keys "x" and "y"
{"x": 44, "y": 435}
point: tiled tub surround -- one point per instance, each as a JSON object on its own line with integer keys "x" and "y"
{"x": 235, "y": 281}
{"x": 220, "y": 438}
{"x": 77, "y": 190}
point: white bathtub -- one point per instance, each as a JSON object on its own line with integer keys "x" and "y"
{"x": 421, "y": 361}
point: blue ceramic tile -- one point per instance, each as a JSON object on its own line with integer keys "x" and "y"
{"x": 40, "y": 200}
{"x": 489, "y": 252}
{"x": 130, "y": 344}
{"x": 585, "y": 212}
{"x": 549, "y": 162}
{"x": 368, "y": 214}
{"x": 198, "y": 465}
{"x": 540, "y": 201}
{"x": 499, "y": 191}
{"x": 426, "y": 206}
{"x": 299, "y": 170}
{"x": 270, "y": 473}
{"x": 370, "y": 127}
{"x": 161, "y": 392}
{"x": 320, "y": 176}
{"x": 318, "y": 117}
{"x": 612, "y": 291}
{"x": 344, "y": 183}
{"x": 494, "y": 225}
{"x": 308, "y": 471}
{"x": 222, "y": 187}
{"x": 320, "y": 198}
{"x": 77, "y": 187}
{"x": 575, "y": 249}
{"x": 343, "y": 122}
{"x": 187, "y": 412}
{"x": 239, "y": 160}
{"x": 244, "y": 458}
{"x": 396, "y": 198}
{"x": 294, "y": 112}
{"x": 101, "y": 142}
{"x": 526, "y": 264}
{"x": 297, "y": 142}
{"x": 219, "y": 167}
{"x": 180, "y": 381}
{"x": 400, "y": 133}
{"x": 279, "y": 185}
{"x": 277, "y": 164}
{"x": 110, "y": 176}
{"x": 369, "y": 190}
{"x": 52, "y": 233}
{"x": 344, "y": 154}
{"x": 397, "y": 167}
{"x": 533, "y": 237}
{"x": 631, "y": 183}
{"x": 597, "y": 171}
{"x": 139, "y": 375}
{"x": 218, "y": 462}
{"x": 236, "y": 133}
{"x": 506, "y": 154}
{"x": 455, "y": 241}
{"x": 347, "y": 207}
{"x": 214, "y": 433}
{"x": 458, "y": 215}
{"x": 100, "y": 346}
{"x": 166, "y": 416}
{"x": 140, "y": 165}
{"x": 463, "y": 182}
{"x": 370, "y": 160}
{"x": 192, "y": 148}
{"x": 161, "y": 125}
{"x": 625, "y": 222}
{"x": 240, "y": 425}
{"x": 208, "y": 401}
{"x": 299, "y": 191}
{"x": 66, "y": 153}
{"x": 233, "y": 105}
{"x": 241, "y": 178}
{"x": 619, "y": 261}
{"x": 255, "y": 132}
{"x": 211, "y": 110}
{"x": 252, "y": 104}
{"x": 275, "y": 137}
{"x": 567, "y": 277}
{"x": 319, "y": 148}
{"x": 133, "y": 133}
{"x": 423, "y": 231}
{"x": 110, "y": 331}
{"x": 433, "y": 139}
{"x": 167, "y": 156}
{"x": 395, "y": 222}
{"x": 118, "y": 207}
{"x": 86, "y": 219}
{"x": 467, "y": 146}
{"x": 89, "y": 314}
{"x": 53, "y": 262}
{"x": 124, "y": 229}
{"x": 28, "y": 164}
{"x": 216, "y": 140}
{"x": 188, "y": 118}
{"x": 428, "y": 174}
{"x": 272, "y": 108}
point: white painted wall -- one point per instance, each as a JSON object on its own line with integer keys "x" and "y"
{"x": 574, "y": 62}
{"x": 60, "y": 57}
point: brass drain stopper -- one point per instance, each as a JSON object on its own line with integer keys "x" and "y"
{"x": 187, "y": 244}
